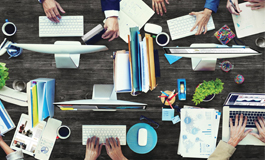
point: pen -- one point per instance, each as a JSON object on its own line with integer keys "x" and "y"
{"x": 172, "y": 93}
{"x": 233, "y": 5}
{"x": 173, "y": 96}
{"x": 164, "y": 93}
{"x": 169, "y": 104}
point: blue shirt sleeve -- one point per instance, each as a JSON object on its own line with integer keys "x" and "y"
{"x": 110, "y": 5}
{"x": 212, "y": 5}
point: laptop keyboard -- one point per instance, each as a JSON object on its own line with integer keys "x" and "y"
{"x": 252, "y": 116}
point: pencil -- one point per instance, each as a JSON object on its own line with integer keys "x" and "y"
{"x": 164, "y": 93}
{"x": 169, "y": 104}
{"x": 173, "y": 96}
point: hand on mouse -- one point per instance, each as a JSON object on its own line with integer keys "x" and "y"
{"x": 113, "y": 148}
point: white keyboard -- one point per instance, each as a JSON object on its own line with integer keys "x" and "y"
{"x": 180, "y": 27}
{"x": 103, "y": 132}
{"x": 69, "y": 26}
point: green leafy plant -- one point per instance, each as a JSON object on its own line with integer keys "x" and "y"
{"x": 207, "y": 88}
{"x": 3, "y": 75}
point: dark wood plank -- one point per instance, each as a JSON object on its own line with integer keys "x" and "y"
{"x": 97, "y": 68}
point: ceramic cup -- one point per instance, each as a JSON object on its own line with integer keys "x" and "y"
{"x": 9, "y": 28}
{"x": 162, "y": 39}
{"x": 13, "y": 51}
{"x": 63, "y": 132}
{"x": 260, "y": 42}
{"x": 19, "y": 85}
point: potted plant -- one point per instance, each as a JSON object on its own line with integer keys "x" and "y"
{"x": 3, "y": 75}
{"x": 207, "y": 90}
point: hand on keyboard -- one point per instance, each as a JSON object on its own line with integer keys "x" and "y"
{"x": 202, "y": 19}
{"x": 158, "y": 5}
{"x": 51, "y": 10}
{"x": 261, "y": 128}
{"x": 237, "y": 133}
{"x": 93, "y": 149}
{"x": 113, "y": 148}
{"x": 112, "y": 28}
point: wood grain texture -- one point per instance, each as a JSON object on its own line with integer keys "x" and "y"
{"x": 97, "y": 68}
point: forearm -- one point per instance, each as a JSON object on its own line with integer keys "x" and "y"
{"x": 222, "y": 152}
{"x": 6, "y": 148}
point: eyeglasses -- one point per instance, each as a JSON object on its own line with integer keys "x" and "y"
{"x": 149, "y": 121}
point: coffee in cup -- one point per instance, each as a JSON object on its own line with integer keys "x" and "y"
{"x": 162, "y": 39}
{"x": 9, "y": 28}
{"x": 63, "y": 132}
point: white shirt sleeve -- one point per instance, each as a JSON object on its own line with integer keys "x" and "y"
{"x": 18, "y": 155}
{"x": 111, "y": 13}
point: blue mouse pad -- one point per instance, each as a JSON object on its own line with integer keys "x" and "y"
{"x": 132, "y": 138}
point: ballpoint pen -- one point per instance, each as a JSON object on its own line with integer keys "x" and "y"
{"x": 233, "y": 6}
{"x": 162, "y": 96}
{"x": 169, "y": 104}
{"x": 170, "y": 98}
{"x": 164, "y": 93}
{"x": 172, "y": 93}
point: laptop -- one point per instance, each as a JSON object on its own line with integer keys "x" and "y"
{"x": 251, "y": 105}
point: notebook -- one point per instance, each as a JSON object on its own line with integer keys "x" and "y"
{"x": 249, "y": 22}
{"x": 6, "y": 123}
{"x": 133, "y": 13}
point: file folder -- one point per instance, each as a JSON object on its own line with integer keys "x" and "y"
{"x": 41, "y": 98}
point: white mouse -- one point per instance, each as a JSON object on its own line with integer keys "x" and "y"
{"x": 142, "y": 137}
{"x": 152, "y": 28}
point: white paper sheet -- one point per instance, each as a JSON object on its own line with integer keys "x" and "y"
{"x": 199, "y": 128}
{"x": 249, "y": 22}
{"x": 122, "y": 73}
{"x": 144, "y": 64}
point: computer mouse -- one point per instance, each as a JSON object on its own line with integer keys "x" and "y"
{"x": 152, "y": 28}
{"x": 142, "y": 137}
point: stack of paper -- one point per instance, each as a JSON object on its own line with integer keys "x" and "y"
{"x": 6, "y": 123}
{"x": 135, "y": 71}
{"x": 199, "y": 129}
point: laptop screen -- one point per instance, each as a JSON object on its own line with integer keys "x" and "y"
{"x": 245, "y": 99}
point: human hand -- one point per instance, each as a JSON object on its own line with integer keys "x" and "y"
{"x": 93, "y": 149}
{"x": 256, "y": 4}
{"x": 158, "y": 5}
{"x": 51, "y": 10}
{"x": 237, "y": 131}
{"x": 202, "y": 19}
{"x": 261, "y": 129}
{"x": 231, "y": 9}
{"x": 114, "y": 149}
{"x": 1, "y": 139}
{"x": 112, "y": 28}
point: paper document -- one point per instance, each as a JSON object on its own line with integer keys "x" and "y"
{"x": 199, "y": 129}
{"x": 144, "y": 69}
{"x": 6, "y": 123}
{"x": 133, "y": 13}
{"x": 122, "y": 75}
{"x": 249, "y": 22}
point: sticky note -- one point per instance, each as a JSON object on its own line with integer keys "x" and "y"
{"x": 167, "y": 114}
{"x": 175, "y": 119}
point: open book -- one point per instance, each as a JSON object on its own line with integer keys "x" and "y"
{"x": 133, "y": 13}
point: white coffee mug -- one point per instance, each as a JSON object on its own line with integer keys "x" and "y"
{"x": 9, "y": 28}
{"x": 63, "y": 132}
{"x": 162, "y": 39}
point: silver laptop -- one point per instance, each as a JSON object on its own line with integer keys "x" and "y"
{"x": 251, "y": 105}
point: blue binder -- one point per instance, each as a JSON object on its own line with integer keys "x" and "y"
{"x": 46, "y": 92}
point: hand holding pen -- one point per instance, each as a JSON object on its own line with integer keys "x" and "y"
{"x": 233, "y": 7}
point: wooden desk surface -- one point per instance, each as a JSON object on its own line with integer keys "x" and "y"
{"x": 97, "y": 68}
